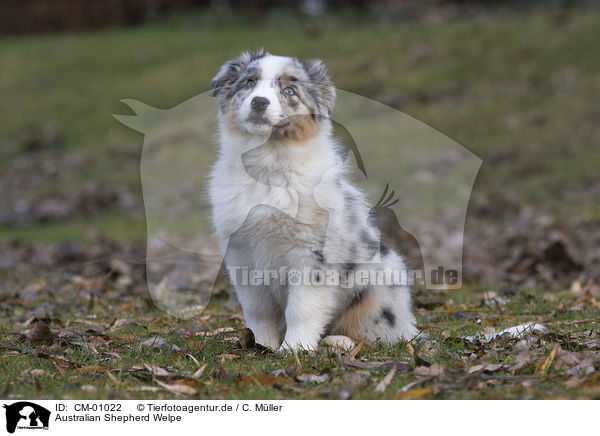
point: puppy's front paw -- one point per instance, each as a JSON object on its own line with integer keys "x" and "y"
{"x": 288, "y": 346}
{"x": 339, "y": 342}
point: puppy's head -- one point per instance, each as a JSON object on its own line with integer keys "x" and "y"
{"x": 265, "y": 95}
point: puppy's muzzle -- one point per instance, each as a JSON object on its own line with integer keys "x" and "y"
{"x": 259, "y": 104}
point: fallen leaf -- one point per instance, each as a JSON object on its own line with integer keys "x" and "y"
{"x": 217, "y": 331}
{"x": 58, "y": 360}
{"x": 592, "y": 379}
{"x": 194, "y": 359}
{"x": 350, "y": 381}
{"x": 574, "y": 381}
{"x": 416, "y": 393}
{"x": 522, "y": 360}
{"x": 356, "y": 349}
{"x": 200, "y": 371}
{"x": 176, "y": 388}
{"x": 434, "y": 370}
{"x": 474, "y": 369}
{"x": 263, "y": 379}
{"x": 545, "y": 366}
{"x": 374, "y": 366}
{"x": 225, "y": 357}
{"x": 89, "y": 388}
{"x": 91, "y": 368}
{"x": 159, "y": 342}
{"x": 312, "y": 378}
{"x": 125, "y": 307}
{"x": 491, "y": 367}
{"x": 247, "y": 339}
{"x": 518, "y": 330}
{"x": 566, "y": 360}
{"x": 384, "y": 383}
{"x": 112, "y": 378}
{"x": 41, "y": 334}
{"x": 157, "y": 370}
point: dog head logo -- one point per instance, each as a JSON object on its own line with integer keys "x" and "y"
{"x": 431, "y": 174}
{"x": 26, "y": 415}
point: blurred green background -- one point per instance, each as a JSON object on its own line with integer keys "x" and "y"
{"x": 517, "y": 85}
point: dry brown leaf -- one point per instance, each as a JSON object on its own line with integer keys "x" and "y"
{"x": 373, "y": 366}
{"x": 159, "y": 342}
{"x": 566, "y": 360}
{"x": 194, "y": 359}
{"x": 545, "y": 366}
{"x": 434, "y": 370}
{"x": 200, "y": 371}
{"x": 415, "y": 393}
{"x": 120, "y": 323}
{"x": 247, "y": 339}
{"x": 157, "y": 370}
{"x": 217, "y": 331}
{"x": 356, "y": 349}
{"x": 89, "y": 388}
{"x": 576, "y": 288}
{"x": 112, "y": 378}
{"x": 351, "y": 381}
{"x": 522, "y": 360}
{"x": 474, "y": 369}
{"x": 58, "y": 360}
{"x": 225, "y": 357}
{"x": 125, "y": 307}
{"x": 384, "y": 383}
{"x": 41, "y": 334}
{"x": 592, "y": 379}
{"x": 263, "y": 379}
{"x": 91, "y": 368}
{"x": 308, "y": 377}
{"x": 176, "y": 388}
{"x": 38, "y": 385}
{"x": 491, "y": 367}
{"x": 574, "y": 381}
{"x": 154, "y": 341}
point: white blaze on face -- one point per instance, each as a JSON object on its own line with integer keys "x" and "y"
{"x": 271, "y": 67}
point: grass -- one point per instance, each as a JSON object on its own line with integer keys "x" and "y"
{"x": 519, "y": 90}
{"x": 103, "y": 355}
{"x": 110, "y": 224}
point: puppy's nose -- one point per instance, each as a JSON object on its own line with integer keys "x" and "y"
{"x": 259, "y": 104}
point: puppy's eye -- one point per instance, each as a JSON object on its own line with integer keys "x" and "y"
{"x": 250, "y": 83}
{"x": 289, "y": 91}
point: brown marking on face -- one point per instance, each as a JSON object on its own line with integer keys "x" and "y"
{"x": 287, "y": 79}
{"x": 301, "y": 129}
{"x": 302, "y": 124}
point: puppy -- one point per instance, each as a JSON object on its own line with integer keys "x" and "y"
{"x": 287, "y": 215}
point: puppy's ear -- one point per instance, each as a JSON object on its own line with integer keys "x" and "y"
{"x": 315, "y": 68}
{"x": 230, "y": 71}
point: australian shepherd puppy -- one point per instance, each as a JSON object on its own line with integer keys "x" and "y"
{"x": 287, "y": 215}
